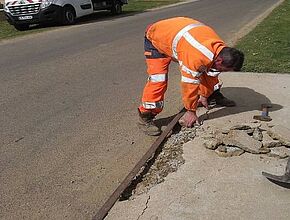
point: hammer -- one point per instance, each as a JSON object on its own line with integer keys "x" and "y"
{"x": 265, "y": 113}
{"x": 283, "y": 180}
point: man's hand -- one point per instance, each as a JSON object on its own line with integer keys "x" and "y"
{"x": 203, "y": 101}
{"x": 188, "y": 119}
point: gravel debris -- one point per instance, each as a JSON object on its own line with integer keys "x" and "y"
{"x": 167, "y": 160}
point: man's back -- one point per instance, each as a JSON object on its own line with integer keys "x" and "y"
{"x": 163, "y": 33}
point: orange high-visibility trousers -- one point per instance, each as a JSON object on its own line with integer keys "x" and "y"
{"x": 156, "y": 86}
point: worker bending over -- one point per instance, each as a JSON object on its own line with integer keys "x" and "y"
{"x": 201, "y": 55}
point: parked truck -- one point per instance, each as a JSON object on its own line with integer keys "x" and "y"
{"x": 23, "y": 13}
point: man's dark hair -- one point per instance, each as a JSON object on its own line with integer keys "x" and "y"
{"x": 232, "y": 58}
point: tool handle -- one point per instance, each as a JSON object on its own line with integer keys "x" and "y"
{"x": 265, "y": 111}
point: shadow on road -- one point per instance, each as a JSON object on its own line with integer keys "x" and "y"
{"x": 247, "y": 100}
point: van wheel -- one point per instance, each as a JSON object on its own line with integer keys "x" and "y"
{"x": 116, "y": 8}
{"x": 68, "y": 16}
{"x": 21, "y": 27}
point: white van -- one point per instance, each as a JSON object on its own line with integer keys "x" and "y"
{"x": 22, "y": 13}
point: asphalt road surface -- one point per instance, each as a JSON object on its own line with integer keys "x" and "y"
{"x": 68, "y": 102}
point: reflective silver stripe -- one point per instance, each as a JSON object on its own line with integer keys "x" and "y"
{"x": 189, "y": 71}
{"x": 157, "y": 78}
{"x": 153, "y": 105}
{"x": 189, "y": 80}
{"x": 216, "y": 86}
{"x": 213, "y": 73}
{"x": 179, "y": 36}
{"x": 193, "y": 42}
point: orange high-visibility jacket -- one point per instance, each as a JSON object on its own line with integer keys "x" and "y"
{"x": 195, "y": 46}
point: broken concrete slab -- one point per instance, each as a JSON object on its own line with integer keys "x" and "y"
{"x": 225, "y": 131}
{"x": 257, "y": 134}
{"x": 264, "y": 127}
{"x": 268, "y": 142}
{"x": 279, "y": 152}
{"x": 241, "y": 140}
{"x": 240, "y": 127}
{"x": 212, "y": 143}
{"x": 228, "y": 151}
{"x": 249, "y": 131}
{"x": 280, "y": 133}
{"x": 249, "y": 128}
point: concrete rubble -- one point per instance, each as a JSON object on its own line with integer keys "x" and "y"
{"x": 271, "y": 140}
{"x": 254, "y": 138}
{"x": 242, "y": 140}
{"x": 281, "y": 134}
{"x": 279, "y": 152}
{"x": 268, "y": 142}
{"x": 229, "y": 151}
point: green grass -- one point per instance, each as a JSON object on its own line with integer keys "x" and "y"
{"x": 141, "y": 5}
{"x": 8, "y": 31}
{"x": 267, "y": 47}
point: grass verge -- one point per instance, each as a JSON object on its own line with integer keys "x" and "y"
{"x": 267, "y": 47}
{"x": 8, "y": 31}
{"x": 142, "y": 5}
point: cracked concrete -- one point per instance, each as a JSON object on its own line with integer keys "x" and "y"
{"x": 168, "y": 160}
{"x": 143, "y": 211}
{"x": 200, "y": 181}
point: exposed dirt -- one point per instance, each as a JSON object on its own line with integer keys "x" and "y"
{"x": 166, "y": 160}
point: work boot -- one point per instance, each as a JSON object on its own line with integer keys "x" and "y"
{"x": 147, "y": 125}
{"x": 220, "y": 100}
